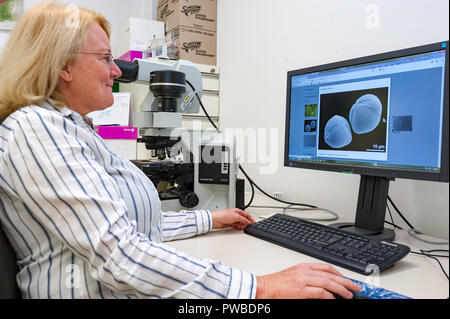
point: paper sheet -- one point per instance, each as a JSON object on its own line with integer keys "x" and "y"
{"x": 117, "y": 114}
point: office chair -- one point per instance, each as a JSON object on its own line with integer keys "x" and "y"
{"x": 8, "y": 270}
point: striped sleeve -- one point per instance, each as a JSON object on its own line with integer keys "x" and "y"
{"x": 177, "y": 225}
{"x": 184, "y": 224}
{"x": 70, "y": 194}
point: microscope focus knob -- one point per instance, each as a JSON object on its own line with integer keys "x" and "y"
{"x": 189, "y": 199}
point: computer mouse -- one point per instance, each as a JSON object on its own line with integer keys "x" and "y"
{"x": 355, "y": 296}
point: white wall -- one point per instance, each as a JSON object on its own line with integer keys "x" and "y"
{"x": 117, "y": 12}
{"x": 260, "y": 40}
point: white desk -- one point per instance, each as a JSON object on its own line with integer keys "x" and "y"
{"x": 414, "y": 276}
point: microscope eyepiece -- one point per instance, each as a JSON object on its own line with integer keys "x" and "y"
{"x": 129, "y": 71}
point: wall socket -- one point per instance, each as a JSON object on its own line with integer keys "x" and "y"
{"x": 276, "y": 195}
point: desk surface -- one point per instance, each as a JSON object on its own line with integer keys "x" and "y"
{"x": 414, "y": 276}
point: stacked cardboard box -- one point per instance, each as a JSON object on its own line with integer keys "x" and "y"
{"x": 192, "y": 26}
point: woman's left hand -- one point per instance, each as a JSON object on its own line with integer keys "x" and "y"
{"x": 233, "y": 217}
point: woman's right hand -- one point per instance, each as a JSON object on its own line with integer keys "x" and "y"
{"x": 305, "y": 281}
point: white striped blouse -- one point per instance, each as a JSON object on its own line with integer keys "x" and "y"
{"x": 86, "y": 223}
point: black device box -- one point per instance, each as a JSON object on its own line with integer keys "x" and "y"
{"x": 214, "y": 165}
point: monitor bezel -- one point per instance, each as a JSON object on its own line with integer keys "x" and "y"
{"x": 390, "y": 173}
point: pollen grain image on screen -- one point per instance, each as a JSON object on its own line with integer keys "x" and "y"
{"x": 354, "y": 120}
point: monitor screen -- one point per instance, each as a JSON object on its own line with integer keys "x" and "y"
{"x": 382, "y": 115}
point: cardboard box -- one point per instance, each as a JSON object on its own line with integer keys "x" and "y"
{"x": 196, "y": 14}
{"x": 197, "y": 46}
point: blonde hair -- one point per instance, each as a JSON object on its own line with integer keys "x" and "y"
{"x": 43, "y": 41}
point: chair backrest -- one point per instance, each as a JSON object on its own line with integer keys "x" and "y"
{"x": 8, "y": 270}
{"x": 8, "y": 267}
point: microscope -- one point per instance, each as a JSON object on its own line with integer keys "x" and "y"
{"x": 191, "y": 168}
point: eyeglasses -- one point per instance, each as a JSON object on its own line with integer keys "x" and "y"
{"x": 107, "y": 56}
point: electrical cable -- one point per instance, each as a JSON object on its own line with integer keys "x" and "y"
{"x": 434, "y": 257}
{"x": 413, "y": 232}
{"x": 252, "y": 183}
{"x": 437, "y": 250}
{"x": 251, "y": 198}
{"x": 201, "y": 105}
{"x": 399, "y": 213}
{"x": 393, "y": 225}
{"x": 270, "y": 196}
{"x": 390, "y": 214}
{"x": 336, "y": 216}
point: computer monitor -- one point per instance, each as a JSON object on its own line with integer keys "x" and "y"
{"x": 383, "y": 116}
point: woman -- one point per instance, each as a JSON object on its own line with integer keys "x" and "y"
{"x": 84, "y": 221}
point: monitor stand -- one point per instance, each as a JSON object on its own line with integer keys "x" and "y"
{"x": 371, "y": 209}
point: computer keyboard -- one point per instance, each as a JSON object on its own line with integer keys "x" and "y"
{"x": 336, "y": 246}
